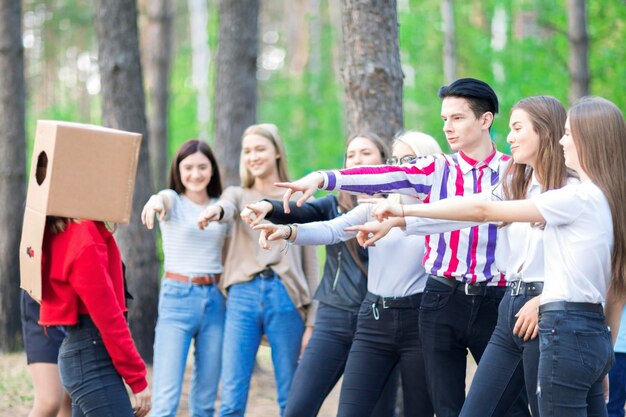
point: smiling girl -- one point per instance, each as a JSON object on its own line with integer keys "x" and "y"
{"x": 340, "y": 293}
{"x": 191, "y": 306}
{"x": 269, "y": 292}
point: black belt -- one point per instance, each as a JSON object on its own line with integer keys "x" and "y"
{"x": 266, "y": 273}
{"x": 409, "y": 301}
{"x": 481, "y": 289}
{"x": 570, "y": 306}
{"x": 525, "y": 288}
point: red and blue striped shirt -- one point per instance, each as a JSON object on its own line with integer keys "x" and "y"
{"x": 467, "y": 255}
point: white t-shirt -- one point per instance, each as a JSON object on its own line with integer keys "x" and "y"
{"x": 187, "y": 249}
{"x": 578, "y": 243}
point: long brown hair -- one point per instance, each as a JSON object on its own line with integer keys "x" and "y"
{"x": 348, "y": 201}
{"x": 547, "y": 116}
{"x": 58, "y": 224}
{"x": 599, "y": 132}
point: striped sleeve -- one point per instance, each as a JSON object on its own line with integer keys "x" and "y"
{"x": 415, "y": 179}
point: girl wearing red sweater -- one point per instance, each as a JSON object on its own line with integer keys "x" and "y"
{"x": 83, "y": 290}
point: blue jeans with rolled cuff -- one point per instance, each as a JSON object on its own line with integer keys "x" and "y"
{"x": 575, "y": 356}
{"x": 88, "y": 374}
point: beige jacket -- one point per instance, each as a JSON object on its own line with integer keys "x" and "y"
{"x": 297, "y": 267}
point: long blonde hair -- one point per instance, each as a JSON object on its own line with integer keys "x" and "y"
{"x": 599, "y": 132}
{"x": 421, "y": 144}
{"x": 270, "y": 132}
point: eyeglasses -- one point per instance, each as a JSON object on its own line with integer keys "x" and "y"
{"x": 402, "y": 160}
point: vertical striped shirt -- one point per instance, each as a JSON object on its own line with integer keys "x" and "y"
{"x": 467, "y": 255}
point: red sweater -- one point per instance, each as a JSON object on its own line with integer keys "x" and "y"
{"x": 82, "y": 274}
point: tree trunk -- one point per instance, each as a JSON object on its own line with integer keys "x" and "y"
{"x": 123, "y": 108}
{"x": 158, "y": 58}
{"x": 449, "y": 43}
{"x": 200, "y": 63}
{"x": 12, "y": 170}
{"x": 236, "y": 83}
{"x": 372, "y": 72}
{"x": 578, "y": 49}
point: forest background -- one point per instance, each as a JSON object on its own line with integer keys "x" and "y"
{"x": 318, "y": 69}
{"x": 302, "y": 56}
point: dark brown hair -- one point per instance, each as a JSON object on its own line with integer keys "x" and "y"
{"x": 214, "y": 187}
{"x": 348, "y": 201}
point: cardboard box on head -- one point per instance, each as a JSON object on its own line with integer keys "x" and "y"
{"x": 77, "y": 171}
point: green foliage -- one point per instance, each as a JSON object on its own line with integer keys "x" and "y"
{"x": 307, "y": 104}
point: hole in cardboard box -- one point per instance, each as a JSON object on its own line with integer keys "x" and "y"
{"x": 42, "y": 167}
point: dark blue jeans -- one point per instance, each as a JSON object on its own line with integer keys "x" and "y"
{"x": 617, "y": 386}
{"x": 385, "y": 338}
{"x": 451, "y": 323}
{"x": 575, "y": 356}
{"x": 88, "y": 375}
{"x": 323, "y": 363}
{"x": 507, "y": 363}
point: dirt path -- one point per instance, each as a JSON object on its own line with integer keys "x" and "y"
{"x": 16, "y": 389}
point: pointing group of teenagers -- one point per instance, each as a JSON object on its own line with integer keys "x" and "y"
{"x": 520, "y": 260}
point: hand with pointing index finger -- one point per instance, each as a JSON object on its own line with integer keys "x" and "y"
{"x": 383, "y": 208}
{"x": 255, "y": 212}
{"x": 308, "y": 185}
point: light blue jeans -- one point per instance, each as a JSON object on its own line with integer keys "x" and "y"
{"x": 187, "y": 312}
{"x": 254, "y": 308}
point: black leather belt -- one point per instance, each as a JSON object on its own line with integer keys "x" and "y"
{"x": 480, "y": 289}
{"x": 266, "y": 273}
{"x": 525, "y": 288}
{"x": 570, "y": 306}
{"x": 409, "y": 301}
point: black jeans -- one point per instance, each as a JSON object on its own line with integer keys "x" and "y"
{"x": 323, "y": 363}
{"x": 508, "y": 363}
{"x": 385, "y": 338}
{"x": 451, "y": 323}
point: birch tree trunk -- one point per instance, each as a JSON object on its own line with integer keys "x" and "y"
{"x": 200, "y": 63}
{"x": 158, "y": 58}
{"x": 449, "y": 43}
{"x": 578, "y": 49}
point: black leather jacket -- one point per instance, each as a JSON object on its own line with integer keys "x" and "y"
{"x": 343, "y": 284}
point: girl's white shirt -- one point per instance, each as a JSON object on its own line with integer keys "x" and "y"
{"x": 520, "y": 248}
{"x": 187, "y": 249}
{"x": 395, "y": 264}
{"x": 578, "y": 243}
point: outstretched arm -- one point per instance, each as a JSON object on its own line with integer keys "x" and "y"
{"x": 415, "y": 179}
{"x": 158, "y": 205}
{"x": 463, "y": 209}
